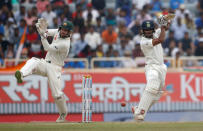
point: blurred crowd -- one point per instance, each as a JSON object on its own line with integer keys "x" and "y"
{"x": 100, "y": 30}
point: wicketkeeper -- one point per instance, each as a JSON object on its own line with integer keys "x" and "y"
{"x": 155, "y": 69}
{"x": 51, "y": 66}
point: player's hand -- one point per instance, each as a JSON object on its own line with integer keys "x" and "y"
{"x": 41, "y": 26}
{"x": 162, "y": 20}
{"x": 42, "y": 32}
{"x": 165, "y": 20}
{"x": 167, "y": 26}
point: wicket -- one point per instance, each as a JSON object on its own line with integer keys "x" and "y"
{"x": 86, "y": 98}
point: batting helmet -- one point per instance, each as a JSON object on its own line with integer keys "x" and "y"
{"x": 148, "y": 25}
{"x": 66, "y": 25}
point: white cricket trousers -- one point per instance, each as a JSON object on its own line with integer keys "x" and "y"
{"x": 155, "y": 76}
{"x": 43, "y": 68}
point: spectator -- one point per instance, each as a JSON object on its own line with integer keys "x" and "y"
{"x": 106, "y": 63}
{"x": 4, "y": 14}
{"x": 67, "y": 12}
{"x": 174, "y": 4}
{"x": 89, "y": 21}
{"x": 189, "y": 22}
{"x": 99, "y": 51}
{"x": 109, "y": 36}
{"x": 49, "y": 15}
{"x": 121, "y": 3}
{"x": 19, "y": 15}
{"x": 167, "y": 41}
{"x": 3, "y": 43}
{"x": 85, "y": 52}
{"x": 110, "y": 17}
{"x": 137, "y": 38}
{"x": 22, "y": 26}
{"x": 24, "y": 53}
{"x": 55, "y": 23}
{"x": 156, "y": 5}
{"x": 9, "y": 54}
{"x": 200, "y": 5}
{"x": 76, "y": 35}
{"x": 58, "y": 6}
{"x": 139, "y": 4}
{"x": 62, "y": 18}
{"x": 6, "y": 3}
{"x": 41, "y": 5}
{"x": 123, "y": 31}
{"x": 99, "y": 5}
{"x": 186, "y": 45}
{"x": 1, "y": 27}
{"x": 199, "y": 21}
{"x": 77, "y": 47}
{"x": 180, "y": 12}
{"x": 134, "y": 27}
{"x": 78, "y": 11}
{"x": 99, "y": 26}
{"x": 79, "y": 21}
{"x": 31, "y": 35}
{"x": 198, "y": 35}
{"x": 142, "y": 16}
{"x": 199, "y": 49}
{"x": 34, "y": 12}
{"x": 137, "y": 52}
{"x": 1, "y": 56}
{"x": 92, "y": 38}
{"x": 124, "y": 46}
{"x": 91, "y": 11}
{"x": 28, "y": 4}
{"x": 172, "y": 49}
{"x": 15, "y": 38}
{"x": 30, "y": 18}
{"x": 123, "y": 17}
{"x": 179, "y": 28}
{"x": 128, "y": 63}
{"x": 35, "y": 50}
{"x": 9, "y": 29}
{"x": 83, "y": 3}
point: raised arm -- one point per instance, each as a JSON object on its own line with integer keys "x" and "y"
{"x": 161, "y": 37}
{"x": 51, "y": 32}
{"x": 62, "y": 46}
{"x": 165, "y": 22}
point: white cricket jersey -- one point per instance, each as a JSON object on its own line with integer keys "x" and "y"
{"x": 153, "y": 54}
{"x": 58, "y": 50}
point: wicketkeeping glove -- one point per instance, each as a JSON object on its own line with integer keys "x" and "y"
{"x": 41, "y": 26}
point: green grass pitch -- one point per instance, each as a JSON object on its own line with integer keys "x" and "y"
{"x": 103, "y": 126}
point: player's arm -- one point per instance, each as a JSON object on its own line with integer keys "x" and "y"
{"x": 51, "y": 32}
{"x": 161, "y": 37}
{"x": 54, "y": 46}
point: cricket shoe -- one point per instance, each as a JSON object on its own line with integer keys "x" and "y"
{"x": 137, "y": 117}
{"x": 61, "y": 118}
{"x": 18, "y": 76}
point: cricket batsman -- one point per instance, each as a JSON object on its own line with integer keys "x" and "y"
{"x": 155, "y": 69}
{"x": 51, "y": 66}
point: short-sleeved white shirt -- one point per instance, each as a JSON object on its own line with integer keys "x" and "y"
{"x": 153, "y": 54}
